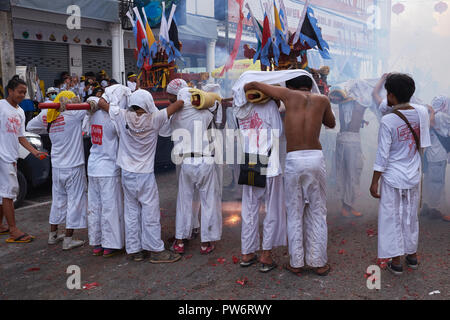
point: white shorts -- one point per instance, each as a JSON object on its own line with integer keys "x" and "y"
{"x": 9, "y": 185}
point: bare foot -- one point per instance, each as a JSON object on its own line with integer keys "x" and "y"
{"x": 266, "y": 257}
{"x": 16, "y": 233}
{"x": 247, "y": 257}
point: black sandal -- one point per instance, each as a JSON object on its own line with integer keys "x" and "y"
{"x": 250, "y": 262}
{"x": 267, "y": 267}
{"x": 325, "y": 273}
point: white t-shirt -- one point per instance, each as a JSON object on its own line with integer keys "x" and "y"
{"x": 136, "y": 154}
{"x": 12, "y": 127}
{"x": 105, "y": 143}
{"x": 397, "y": 156}
{"x": 258, "y": 131}
{"x": 194, "y": 124}
{"x": 65, "y": 135}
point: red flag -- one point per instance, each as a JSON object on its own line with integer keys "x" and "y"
{"x": 237, "y": 41}
{"x": 140, "y": 35}
{"x": 266, "y": 31}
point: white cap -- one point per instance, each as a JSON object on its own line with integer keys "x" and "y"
{"x": 51, "y": 90}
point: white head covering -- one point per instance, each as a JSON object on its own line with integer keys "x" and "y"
{"x": 211, "y": 87}
{"x": 175, "y": 86}
{"x": 118, "y": 94}
{"x": 441, "y": 104}
{"x": 143, "y": 99}
{"x": 241, "y": 106}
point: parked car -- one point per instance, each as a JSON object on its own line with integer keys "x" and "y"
{"x": 31, "y": 172}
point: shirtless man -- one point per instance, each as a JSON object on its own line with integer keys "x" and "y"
{"x": 305, "y": 171}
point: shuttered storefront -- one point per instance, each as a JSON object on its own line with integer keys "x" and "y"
{"x": 50, "y": 59}
{"x": 130, "y": 62}
{"x": 96, "y": 59}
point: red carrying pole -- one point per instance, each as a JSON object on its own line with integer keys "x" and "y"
{"x": 75, "y": 106}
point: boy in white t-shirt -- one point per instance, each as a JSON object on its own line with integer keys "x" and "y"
{"x": 12, "y": 133}
{"x": 69, "y": 185}
{"x": 105, "y": 195}
{"x": 138, "y": 128}
{"x": 398, "y": 167}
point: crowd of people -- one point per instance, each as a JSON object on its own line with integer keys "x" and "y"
{"x": 120, "y": 204}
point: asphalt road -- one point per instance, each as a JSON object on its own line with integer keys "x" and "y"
{"x": 38, "y": 271}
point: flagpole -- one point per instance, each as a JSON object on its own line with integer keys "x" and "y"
{"x": 300, "y": 24}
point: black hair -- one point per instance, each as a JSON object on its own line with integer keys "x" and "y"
{"x": 129, "y": 74}
{"x": 97, "y": 90}
{"x": 113, "y": 82}
{"x": 401, "y": 85}
{"x": 64, "y": 74}
{"x": 89, "y": 74}
{"x": 14, "y": 83}
{"x": 300, "y": 82}
{"x": 57, "y": 82}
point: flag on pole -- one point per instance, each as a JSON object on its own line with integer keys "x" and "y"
{"x": 280, "y": 40}
{"x": 266, "y": 41}
{"x": 284, "y": 20}
{"x": 141, "y": 40}
{"x": 153, "y": 45}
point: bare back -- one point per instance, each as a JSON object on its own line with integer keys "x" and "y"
{"x": 305, "y": 114}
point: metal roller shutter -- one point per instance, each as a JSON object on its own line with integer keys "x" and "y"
{"x": 130, "y": 62}
{"x": 50, "y": 59}
{"x": 96, "y": 59}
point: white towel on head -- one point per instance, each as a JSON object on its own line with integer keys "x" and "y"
{"x": 118, "y": 94}
{"x": 242, "y": 108}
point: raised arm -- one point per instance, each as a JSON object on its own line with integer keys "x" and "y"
{"x": 102, "y": 104}
{"x": 376, "y": 91}
{"x": 329, "y": 120}
{"x": 275, "y": 92}
{"x": 174, "y": 107}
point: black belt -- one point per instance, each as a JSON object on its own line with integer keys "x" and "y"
{"x": 197, "y": 155}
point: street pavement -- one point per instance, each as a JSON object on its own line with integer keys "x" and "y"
{"x": 39, "y": 271}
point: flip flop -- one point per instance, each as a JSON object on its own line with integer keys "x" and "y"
{"x": 19, "y": 239}
{"x": 3, "y": 233}
{"x": 286, "y": 267}
{"x": 267, "y": 267}
{"x": 250, "y": 262}
{"x": 323, "y": 273}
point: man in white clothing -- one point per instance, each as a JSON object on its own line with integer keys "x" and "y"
{"x": 105, "y": 195}
{"x": 138, "y": 127}
{"x": 12, "y": 133}
{"x": 198, "y": 172}
{"x": 305, "y": 171}
{"x": 69, "y": 185}
{"x": 132, "y": 81}
{"x": 402, "y": 135}
{"x": 436, "y": 158}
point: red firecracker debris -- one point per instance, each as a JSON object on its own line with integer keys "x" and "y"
{"x": 188, "y": 256}
{"x": 382, "y": 263}
{"x": 242, "y": 281}
{"x": 235, "y": 259}
{"x": 92, "y": 285}
{"x": 343, "y": 241}
{"x": 342, "y": 251}
{"x": 221, "y": 260}
{"x": 33, "y": 269}
{"x": 371, "y": 232}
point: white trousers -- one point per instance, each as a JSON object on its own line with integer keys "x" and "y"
{"x": 105, "y": 212}
{"x": 349, "y": 165}
{"x": 305, "y": 181}
{"x": 69, "y": 196}
{"x": 142, "y": 212}
{"x": 204, "y": 178}
{"x": 398, "y": 223}
{"x": 274, "y": 225}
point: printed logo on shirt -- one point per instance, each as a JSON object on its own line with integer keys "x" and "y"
{"x": 253, "y": 123}
{"x": 57, "y": 125}
{"x": 405, "y": 135}
{"x": 97, "y": 134}
{"x": 13, "y": 125}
